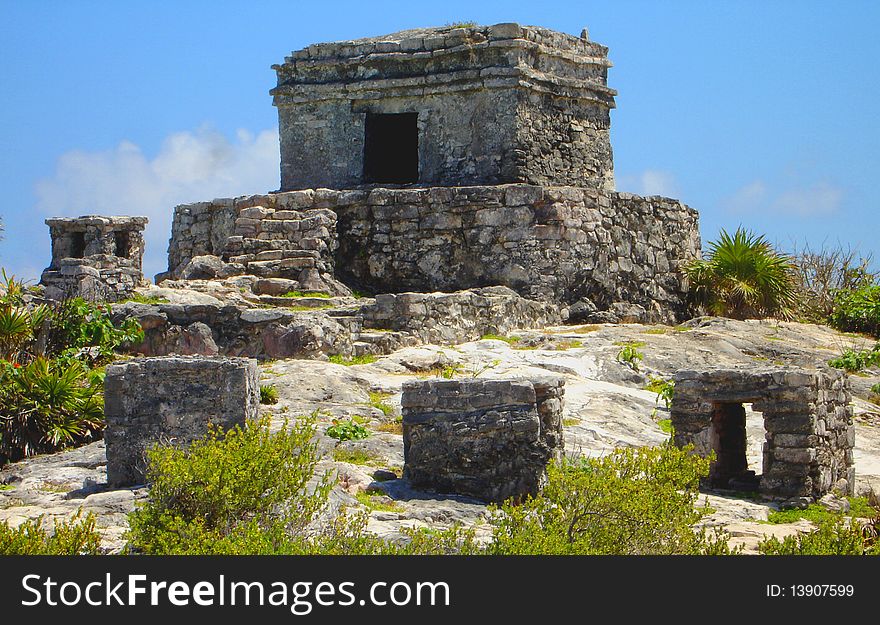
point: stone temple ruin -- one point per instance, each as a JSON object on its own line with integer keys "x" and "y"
{"x": 97, "y": 258}
{"x": 448, "y": 159}
{"x": 474, "y": 161}
{"x": 807, "y": 417}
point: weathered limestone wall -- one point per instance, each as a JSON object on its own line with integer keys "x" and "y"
{"x": 458, "y": 317}
{"x": 95, "y": 257}
{"x": 808, "y": 420}
{"x": 560, "y": 244}
{"x": 495, "y": 104}
{"x": 171, "y": 401}
{"x": 547, "y": 243}
{"x": 489, "y": 439}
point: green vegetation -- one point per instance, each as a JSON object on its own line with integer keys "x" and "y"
{"x": 230, "y": 492}
{"x": 268, "y": 394}
{"x": 666, "y": 426}
{"x": 355, "y": 455}
{"x": 853, "y": 360}
{"x": 655, "y": 331}
{"x": 858, "y": 310}
{"x": 377, "y": 400}
{"x": 665, "y": 389}
{"x": 51, "y": 370}
{"x": 392, "y": 427}
{"x": 347, "y": 430}
{"x": 76, "y": 536}
{"x": 630, "y": 502}
{"x": 366, "y": 359}
{"x": 376, "y": 503}
{"x": 834, "y": 536}
{"x": 510, "y": 340}
{"x": 816, "y": 513}
{"x": 462, "y": 24}
{"x": 144, "y": 299}
{"x": 320, "y": 294}
{"x": 743, "y": 277}
{"x": 630, "y": 355}
{"x": 570, "y": 421}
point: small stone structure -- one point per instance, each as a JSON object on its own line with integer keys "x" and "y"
{"x": 808, "y": 421}
{"x": 171, "y": 400}
{"x": 448, "y": 159}
{"x": 447, "y": 106}
{"x": 97, "y": 258}
{"x": 489, "y": 439}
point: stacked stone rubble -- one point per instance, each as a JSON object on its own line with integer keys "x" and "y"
{"x": 489, "y": 439}
{"x": 807, "y": 417}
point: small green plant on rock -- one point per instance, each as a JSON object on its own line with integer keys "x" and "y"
{"x": 665, "y": 389}
{"x": 630, "y": 356}
{"x": 347, "y": 430}
{"x": 268, "y": 394}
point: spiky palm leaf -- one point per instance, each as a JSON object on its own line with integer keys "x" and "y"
{"x": 743, "y": 277}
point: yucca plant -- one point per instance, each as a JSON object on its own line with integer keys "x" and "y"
{"x": 743, "y": 277}
{"x": 44, "y": 406}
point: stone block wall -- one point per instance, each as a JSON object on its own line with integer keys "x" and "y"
{"x": 810, "y": 433}
{"x": 489, "y": 439}
{"x": 171, "y": 401}
{"x": 556, "y": 244}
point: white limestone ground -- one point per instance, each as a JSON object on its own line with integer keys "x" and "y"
{"x": 606, "y": 407}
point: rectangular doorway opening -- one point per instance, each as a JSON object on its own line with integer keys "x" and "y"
{"x": 731, "y": 444}
{"x": 77, "y": 244}
{"x": 391, "y": 148}
{"x": 123, "y": 243}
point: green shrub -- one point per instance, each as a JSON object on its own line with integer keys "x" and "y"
{"x": 853, "y": 360}
{"x": 77, "y": 536}
{"x": 833, "y": 536}
{"x": 78, "y": 324}
{"x": 630, "y": 355}
{"x": 743, "y": 277}
{"x": 46, "y": 405}
{"x": 239, "y": 483}
{"x": 630, "y": 502}
{"x": 347, "y": 430}
{"x": 858, "y": 310}
{"x": 268, "y": 394}
{"x": 251, "y": 492}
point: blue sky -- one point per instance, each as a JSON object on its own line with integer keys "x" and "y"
{"x": 763, "y": 113}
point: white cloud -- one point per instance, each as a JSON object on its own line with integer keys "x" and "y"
{"x": 747, "y": 198}
{"x": 190, "y": 167}
{"x": 821, "y": 198}
{"x": 649, "y": 182}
